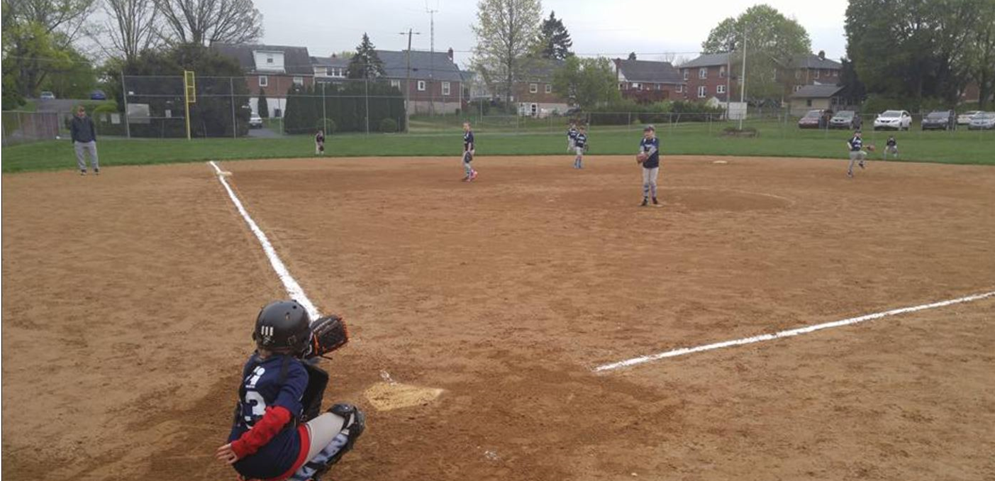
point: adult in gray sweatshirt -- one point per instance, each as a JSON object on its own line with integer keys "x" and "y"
{"x": 84, "y": 135}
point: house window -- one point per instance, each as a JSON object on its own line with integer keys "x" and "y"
{"x": 703, "y": 73}
{"x": 421, "y": 85}
{"x": 808, "y": 103}
{"x": 798, "y": 87}
{"x": 721, "y": 89}
{"x": 263, "y": 81}
{"x": 722, "y": 72}
{"x": 658, "y": 86}
{"x": 687, "y": 73}
{"x": 702, "y": 92}
{"x": 680, "y": 89}
{"x": 836, "y": 73}
{"x": 445, "y": 88}
{"x": 549, "y": 88}
{"x": 533, "y": 88}
{"x": 817, "y": 73}
{"x": 298, "y": 81}
{"x": 635, "y": 86}
{"x": 395, "y": 83}
{"x": 269, "y": 59}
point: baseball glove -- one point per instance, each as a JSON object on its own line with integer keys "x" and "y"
{"x": 871, "y": 148}
{"x": 641, "y": 157}
{"x": 327, "y": 334}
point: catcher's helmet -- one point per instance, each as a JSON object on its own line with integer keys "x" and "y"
{"x": 283, "y": 325}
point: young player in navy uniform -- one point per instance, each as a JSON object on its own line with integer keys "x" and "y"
{"x": 468, "y": 151}
{"x": 891, "y": 148}
{"x": 572, "y": 137}
{"x": 269, "y": 438}
{"x": 580, "y": 146}
{"x": 649, "y": 157}
{"x": 857, "y": 154}
{"x": 319, "y": 143}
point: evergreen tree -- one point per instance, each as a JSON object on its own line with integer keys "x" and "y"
{"x": 632, "y": 55}
{"x": 262, "y": 106}
{"x": 365, "y": 63}
{"x": 554, "y": 40}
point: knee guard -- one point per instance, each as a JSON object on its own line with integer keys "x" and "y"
{"x": 352, "y": 429}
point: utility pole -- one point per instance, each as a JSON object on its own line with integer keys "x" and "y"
{"x": 407, "y": 82}
{"x": 742, "y": 85}
{"x": 431, "y": 62}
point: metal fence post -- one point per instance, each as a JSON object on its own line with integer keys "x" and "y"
{"x": 231, "y": 95}
{"x": 366, "y": 81}
{"x": 324, "y": 115}
{"x": 124, "y": 95}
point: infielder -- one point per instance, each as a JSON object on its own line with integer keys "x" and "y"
{"x": 857, "y": 154}
{"x": 580, "y": 146}
{"x": 468, "y": 151}
{"x": 572, "y": 137}
{"x": 649, "y": 158}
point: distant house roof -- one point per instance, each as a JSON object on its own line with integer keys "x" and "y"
{"x": 648, "y": 71}
{"x": 296, "y": 60}
{"x": 708, "y": 60}
{"x": 817, "y": 92}
{"x": 540, "y": 69}
{"x": 331, "y": 62}
{"x": 814, "y": 62}
{"x": 424, "y": 65}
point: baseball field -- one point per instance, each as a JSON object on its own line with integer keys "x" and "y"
{"x": 128, "y": 301}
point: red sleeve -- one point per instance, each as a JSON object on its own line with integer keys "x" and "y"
{"x": 271, "y": 423}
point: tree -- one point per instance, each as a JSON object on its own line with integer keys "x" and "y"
{"x": 132, "y": 26}
{"x": 981, "y": 51}
{"x": 206, "y": 22}
{"x": 588, "y": 82}
{"x": 632, "y": 55}
{"x": 262, "y": 106}
{"x": 915, "y": 49}
{"x": 506, "y": 32}
{"x": 772, "y": 41}
{"x": 365, "y": 63}
{"x": 554, "y": 40}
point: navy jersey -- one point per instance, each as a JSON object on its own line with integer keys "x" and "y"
{"x": 572, "y": 133}
{"x": 319, "y": 138}
{"x": 651, "y": 147}
{"x": 892, "y": 142}
{"x": 856, "y": 143}
{"x": 468, "y": 141}
{"x": 277, "y": 381}
{"x": 580, "y": 140}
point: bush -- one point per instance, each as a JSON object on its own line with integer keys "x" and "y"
{"x": 388, "y": 126}
{"x": 746, "y": 132}
{"x": 328, "y": 125}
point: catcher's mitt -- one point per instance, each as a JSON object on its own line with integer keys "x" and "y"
{"x": 641, "y": 157}
{"x": 327, "y": 334}
{"x": 871, "y": 148}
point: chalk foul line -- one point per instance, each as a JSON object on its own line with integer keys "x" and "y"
{"x": 789, "y": 333}
{"x": 294, "y": 289}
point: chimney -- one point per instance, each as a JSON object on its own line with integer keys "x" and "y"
{"x": 450, "y": 53}
{"x": 822, "y": 54}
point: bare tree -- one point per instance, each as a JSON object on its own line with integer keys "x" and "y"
{"x": 210, "y": 21}
{"x": 64, "y": 19}
{"x": 131, "y": 27}
{"x": 506, "y": 32}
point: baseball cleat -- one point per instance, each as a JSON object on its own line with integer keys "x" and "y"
{"x": 645, "y": 203}
{"x": 861, "y": 165}
{"x": 473, "y": 175}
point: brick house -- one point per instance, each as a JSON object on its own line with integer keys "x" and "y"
{"x": 533, "y": 92}
{"x": 708, "y": 77}
{"x": 271, "y": 69}
{"x": 436, "y": 82}
{"x": 647, "y": 81}
{"x": 812, "y": 69}
{"x": 329, "y": 68}
{"x": 820, "y": 97}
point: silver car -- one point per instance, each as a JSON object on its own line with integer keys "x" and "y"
{"x": 983, "y": 121}
{"x": 965, "y": 118}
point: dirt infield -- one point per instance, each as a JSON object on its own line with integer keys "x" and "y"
{"x": 128, "y": 300}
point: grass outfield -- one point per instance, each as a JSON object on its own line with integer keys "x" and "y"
{"x": 960, "y": 147}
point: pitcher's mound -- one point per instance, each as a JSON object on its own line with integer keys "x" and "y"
{"x": 386, "y": 396}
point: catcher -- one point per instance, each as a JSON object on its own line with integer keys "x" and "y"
{"x": 857, "y": 154}
{"x": 277, "y": 433}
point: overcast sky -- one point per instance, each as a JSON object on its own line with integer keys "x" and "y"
{"x": 598, "y": 27}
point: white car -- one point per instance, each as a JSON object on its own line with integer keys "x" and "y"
{"x": 983, "y": 121}
{"x": 255, "y": 121}
{"x": 893, "y": 119}
{"x": 966, "y": 117}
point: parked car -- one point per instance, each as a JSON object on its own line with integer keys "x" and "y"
{"x": 845, "y": 119}
{"x": 812, "y": 120}
{"x": 98, "y": 95}
{"x": 983, "y": 121}
{"x": 893, "y": 119}
{"x": 965, "y": 118}
{"x": 940, "y": 120}
{"x": 255, "y": 121}
{"x": 46, "y": 95}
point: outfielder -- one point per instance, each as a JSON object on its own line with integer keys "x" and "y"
{"x": 468, "y": 151}
{"x": 572, "y": 137}
{"x": 649, "y": 158}
{"x": 277, "y": 433}
{"x": 580, "y": 146}
{"x": 857, "y": 154}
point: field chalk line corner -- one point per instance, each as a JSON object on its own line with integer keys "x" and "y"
{"x": 294, "y": 290}
{"x": 789, "y": 333}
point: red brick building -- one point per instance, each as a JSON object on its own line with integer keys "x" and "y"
{"x": 647, "y": 81}
{"x": 436, "y": 82}
{"x": 271, "y": 69}
{"x": 708, "y": 76}
{"x": 534, "y": 90}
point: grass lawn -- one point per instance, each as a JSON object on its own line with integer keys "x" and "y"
{"x": 776, "y": 140}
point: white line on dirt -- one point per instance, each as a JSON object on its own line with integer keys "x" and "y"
{"x": 789, "y": 333}
{"x": 294, "y": 289}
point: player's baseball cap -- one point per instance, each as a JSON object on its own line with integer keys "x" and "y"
{"x": 649, "y": 128}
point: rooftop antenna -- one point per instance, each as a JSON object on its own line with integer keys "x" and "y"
{"x": 431, "y": 71}
{"x": 407, "y": 82}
